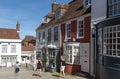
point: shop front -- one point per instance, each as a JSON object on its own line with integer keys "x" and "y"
{"x": 108, "y": 49}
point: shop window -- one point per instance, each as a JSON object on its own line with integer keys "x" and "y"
{"x": 111, "y": 40}
{"x": 72, "y": 54}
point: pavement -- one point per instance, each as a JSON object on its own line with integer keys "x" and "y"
{"x": 8, "y": 73}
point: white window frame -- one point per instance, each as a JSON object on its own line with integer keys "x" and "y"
{"x": 111, "y": 41}
{"x": 87, "y": 3}
{"x": 70, "y": 54}
{"x": 68, "y": 23}
{"x": 58, "y": 14}
{"x": 4, "y": 48}
{"x": 78, "y": 28}
{"x": 13, "y": 48}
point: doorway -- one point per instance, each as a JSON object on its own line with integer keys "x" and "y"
{"x": 84, "y": 57}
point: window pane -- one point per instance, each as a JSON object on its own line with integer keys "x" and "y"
{"x": 13, "y": 48}
{"x": 113, "y": 7}
{"x": 80, "y": 29}
{"x": 4, "y": 48}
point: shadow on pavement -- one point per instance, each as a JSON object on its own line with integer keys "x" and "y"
{"x": 55, "y": 75}
{"x": 34, "y": 74}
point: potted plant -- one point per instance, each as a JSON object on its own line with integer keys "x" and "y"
{"x": 43, "y": 63}
{"x": 51, "y": 60}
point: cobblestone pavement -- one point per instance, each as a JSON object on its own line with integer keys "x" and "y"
{"x": 8, "y": 73}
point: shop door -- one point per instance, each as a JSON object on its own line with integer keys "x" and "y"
{"x": 84, "y": 57}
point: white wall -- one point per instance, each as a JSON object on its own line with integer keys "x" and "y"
{"x": 98, "y": 10}
{"x": 10, "y": 42}
{"x": 41, "y": 43}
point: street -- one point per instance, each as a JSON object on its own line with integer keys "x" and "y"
{"x": 8, "y": 73}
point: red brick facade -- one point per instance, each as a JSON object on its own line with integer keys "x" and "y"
{"x": 72, "y": 69}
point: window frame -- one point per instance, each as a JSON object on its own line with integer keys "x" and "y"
{"x": 13, "y": 49}
{"x": 87, "y": 3}
{"x": 68, "y": 30}
{"x": 80, "y": 28}
{"x": 113, "y": 8}
{"x": 70, "y": 54}
{"x": 39, "y": 36}
{"x": 58, "y": 14}
{"x": 56, "y": 33}
{"x": 49, "y": 34}
{"x": 4, "y": 48}
{"x": 111, "y": 43}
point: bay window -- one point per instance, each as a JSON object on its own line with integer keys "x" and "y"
{"x": 72, "y": 54}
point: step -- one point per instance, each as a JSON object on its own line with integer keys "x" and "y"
{"x": 82, "y": 74}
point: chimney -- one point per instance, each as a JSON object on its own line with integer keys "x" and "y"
{"x": 54, "y": 6}
{"x": 18, "y": 26}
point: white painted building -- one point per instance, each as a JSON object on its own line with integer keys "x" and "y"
{"x": 10, "y": 46}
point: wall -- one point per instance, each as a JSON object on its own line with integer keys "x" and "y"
{"x": 98, "y": 10}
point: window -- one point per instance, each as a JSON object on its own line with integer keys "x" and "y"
{"x": 4, "y": 48}
{"x": 43, "y": 35}
{"x": 57, "y": 14}
{"x": 13, "y": 48}
{"x": 111, "y": 40}
{"x": 68, "y": 30}
{"x": 100, "y": 41}
{"x": 55, "y": 33}
{"x": 113, "y": 7}
{"x": 72, "y": 54}
{"x": 39, "y": 35}
{"x": 76, "y": 55}
{"x": 80, "y": 29}
{"x": 49, "y": 35}
{"x": 68, "y": 54}
{"x": 87, "y": 2}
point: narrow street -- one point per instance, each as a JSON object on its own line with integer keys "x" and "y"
{"x": 8, "y": 73}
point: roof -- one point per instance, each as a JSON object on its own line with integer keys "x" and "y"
{"x": 50, "y": 15}
{"x": 75, "y": 9}
{"x": 28, "y": 48}
{"x": 6, "y": 33}
{"x": 28, "y": 38}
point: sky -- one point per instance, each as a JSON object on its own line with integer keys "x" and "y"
{"x": 28, "y": 12}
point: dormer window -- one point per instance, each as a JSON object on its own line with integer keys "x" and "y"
{"x": 57, "y": 14}
{"x": 46, "y": 19}
{"x": 87, "y": 3}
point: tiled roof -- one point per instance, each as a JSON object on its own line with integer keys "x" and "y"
{"x": 74, "y": 10}
{"x": 28, "y": 38}
{"x": 28, "y": 48}
{"x": 50, "y": 15}
{"x": 6, "y": 33}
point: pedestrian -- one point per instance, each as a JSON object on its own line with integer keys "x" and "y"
{"x": 62, "y": 66}
{"x": 39, "y": 67}
{"x": 17, "y": 67}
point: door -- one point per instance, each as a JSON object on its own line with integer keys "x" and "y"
{"x": 84, "y": 57}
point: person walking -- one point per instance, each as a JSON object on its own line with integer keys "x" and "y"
{"x": 62, "y": 67}
{"x": 39, "y": 67}
{"x": 17, "y": 67}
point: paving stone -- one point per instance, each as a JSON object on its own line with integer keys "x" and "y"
{"x": 8, "y": 73}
